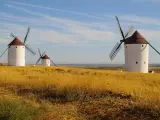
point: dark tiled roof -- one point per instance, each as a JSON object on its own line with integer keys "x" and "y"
{"x": 45, "y": 57}
{"x": 16, "y": 41}
{"x": 136, "y": 38}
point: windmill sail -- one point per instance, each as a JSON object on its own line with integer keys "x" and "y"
{"x": 130, "y": 31}
{"x": 115, "y": 50}
{"x": 154, "y": 48}
{"x": 13, "y": 35}
{"x": 52, "y": 62}
{"x": 39, "y": 53}
{"x": 27, "y": 46}
{"x": 4, "y": 52}
{"x": 30, "y": 49}
{"x": 120, "y": 28}
{"x": 26, "y": 35}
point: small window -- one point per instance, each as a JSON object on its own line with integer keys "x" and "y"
{"x": 142, "y": 45}
{"x": 136, "y": 62}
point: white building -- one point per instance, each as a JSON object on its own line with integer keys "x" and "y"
{"x": 16, "y": 53}
{"x": 45, "y": 60}
{"x": 136, "y": 53}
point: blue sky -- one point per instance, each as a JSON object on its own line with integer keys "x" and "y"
{"x": 78, "y": 31}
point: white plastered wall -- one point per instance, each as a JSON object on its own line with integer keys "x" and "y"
{"x": 16, "y": 55}
{"x": 45, "y": 62}
{"x": 136, "y": 57}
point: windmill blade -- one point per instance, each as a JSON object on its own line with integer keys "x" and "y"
{"x": 4, "y": 52}
{"x": 114, "y": 48}
{"x": 52, "y": 62}
{"x": 121, "y": 31}
{"x": 13, "y": 35}
{"x": 43, "y": 54}
{"x": 38, "y": 60}
{"x": 30, "y": 50}
{"x": 26, "y": 35}
{"x": 130, "y": 31}
{"x": 39, "y": 53}
{"x": 115, "y": 51}
{"x": 154, "y": 48}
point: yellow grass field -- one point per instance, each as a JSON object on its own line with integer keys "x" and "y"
{"x": 64, "y": 93}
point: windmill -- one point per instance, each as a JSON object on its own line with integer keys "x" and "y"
{"x": 136, "y": 51}
{"x": 16, "y": 51}
{"x": 45, "y": 60}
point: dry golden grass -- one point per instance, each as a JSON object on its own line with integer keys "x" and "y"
{"x": 79, "y": 94}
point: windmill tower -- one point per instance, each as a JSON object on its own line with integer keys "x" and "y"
{"x": 16, "y": 51}
{"x": 45, "y": 60}
{"x": 136, "y": 51}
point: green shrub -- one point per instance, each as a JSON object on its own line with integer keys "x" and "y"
{"x": 16, "y": 109}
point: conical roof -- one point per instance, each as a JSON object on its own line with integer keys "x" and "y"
{"x": 45, "y": 57}
{"x": 136, "y": 38}
{"x": 16, "y": 41}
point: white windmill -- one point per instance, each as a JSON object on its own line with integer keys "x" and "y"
{"x": 136, "y": 51}
{"x": 16, "y": 51}
{"x": 45, "y": 60}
